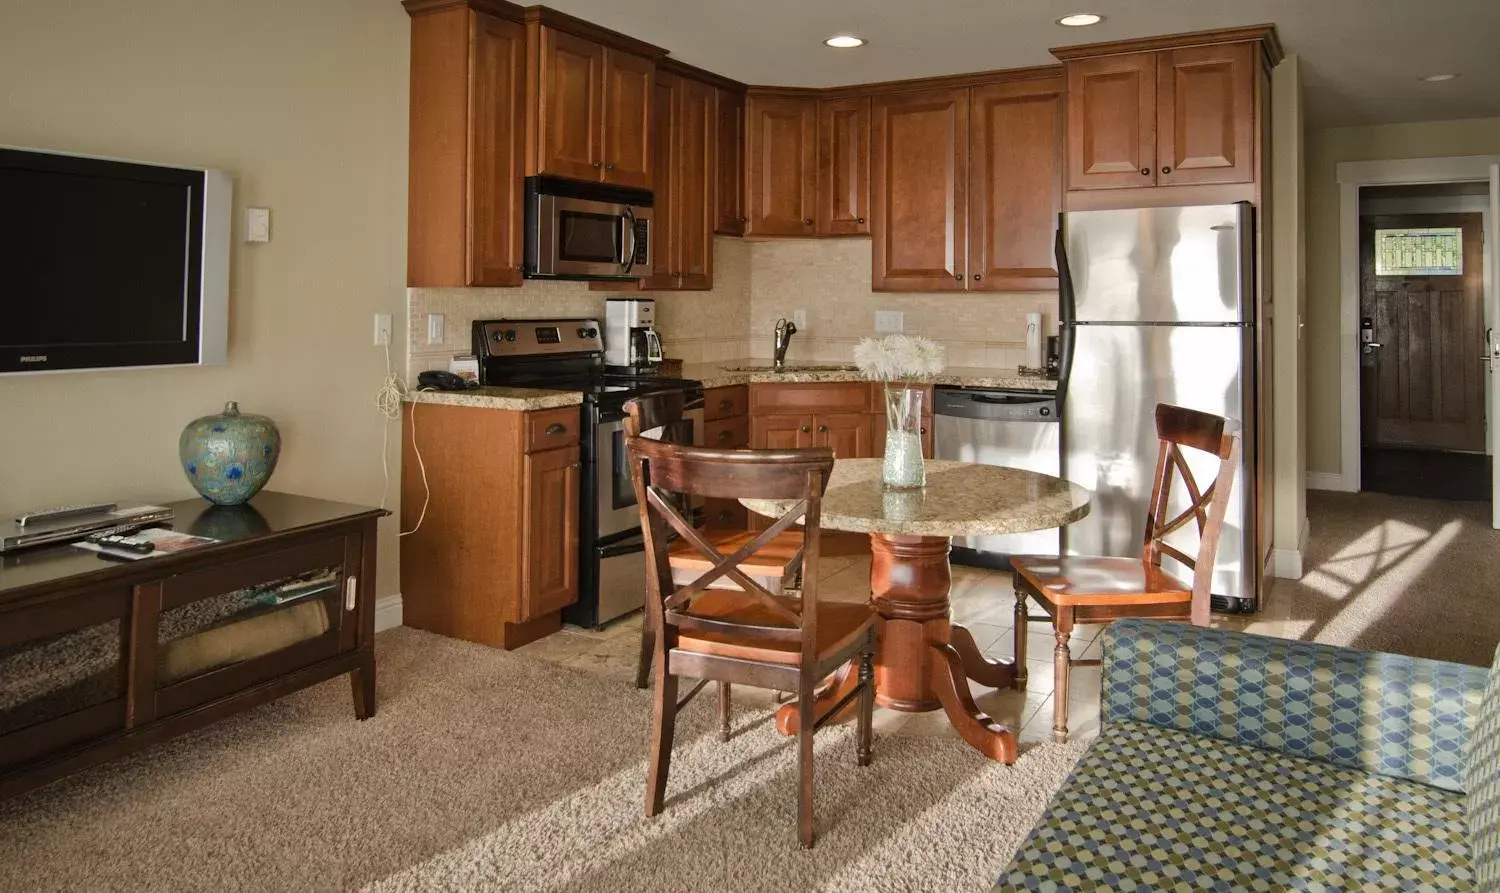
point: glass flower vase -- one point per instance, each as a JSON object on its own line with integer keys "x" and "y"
{"x": 903, "y": 439}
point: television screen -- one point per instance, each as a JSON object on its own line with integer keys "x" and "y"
{"x": 105, "y": 263}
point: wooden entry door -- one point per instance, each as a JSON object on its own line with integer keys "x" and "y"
{"x": 1422, "y": 303}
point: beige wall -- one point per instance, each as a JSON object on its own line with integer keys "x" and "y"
{"x": 304, "y": 104}
{"x": 1325, "y": 149}
{"x": 830, "y": 279}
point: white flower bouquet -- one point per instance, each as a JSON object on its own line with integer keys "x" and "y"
{"x": 901, "y": 361}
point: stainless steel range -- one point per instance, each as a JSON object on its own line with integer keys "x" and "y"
{"x": 568, "y": 354}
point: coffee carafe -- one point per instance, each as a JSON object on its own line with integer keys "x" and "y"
{"x": 630, "y": 337}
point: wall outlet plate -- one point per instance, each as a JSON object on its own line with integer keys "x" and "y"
{"x": 799, "y": 319}
{"x": 382, "y": 329}
{"x": 435, "y": 328}
{"x": 890, "y": 321}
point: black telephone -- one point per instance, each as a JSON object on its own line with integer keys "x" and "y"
{"x": 438, "y": 380}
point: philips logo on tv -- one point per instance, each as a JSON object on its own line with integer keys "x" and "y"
{"x": 42, "y": 358}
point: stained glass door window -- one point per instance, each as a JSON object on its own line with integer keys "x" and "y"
{"x": 1419, "y": 251}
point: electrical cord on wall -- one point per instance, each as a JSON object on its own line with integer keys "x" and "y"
{"x": 388, "y": 402}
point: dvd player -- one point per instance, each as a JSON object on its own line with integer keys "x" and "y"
{"x": 30, "y": 529}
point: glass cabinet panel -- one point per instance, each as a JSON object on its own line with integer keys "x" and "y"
{"x": 53, "y": 676}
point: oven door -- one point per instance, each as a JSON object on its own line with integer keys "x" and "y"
{"x": 616, "y": 509}
{"x": 580, "y": 238}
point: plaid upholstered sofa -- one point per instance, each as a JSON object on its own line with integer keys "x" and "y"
{"x": 1228, "y": 761}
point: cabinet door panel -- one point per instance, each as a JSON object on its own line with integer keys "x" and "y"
{"x": 550, "y": 538}
{"x": 696, "y": 135}
{"x": 1206, "y": 115}
{"x": 626, "y": 116}
{"x": 781, "y": 432}
{"x": 1015, "y": 185}
{"x": 569, "y": 106}
{"x": 843, "y": 166}
{"x": 919, "y": 165}
{"x": 729, "y": 164}
{"x": 782, "y": 162}
{"x": 847, "y": 433}
{"x": 1112, "y": 122}
{"x": 664, "y": 225}
{"x": 496, "y": 150}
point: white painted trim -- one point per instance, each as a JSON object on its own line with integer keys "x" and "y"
{"x": 387, "y": 612}
{"x": 1287, "y": 563}
{"x": 1351, "y": 175}
{"x": 1330, "y": 480}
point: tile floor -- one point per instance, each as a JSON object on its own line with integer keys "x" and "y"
{"x": 982, "y": 600}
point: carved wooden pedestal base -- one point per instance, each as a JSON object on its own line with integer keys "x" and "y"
{"x": 924, "y": 660}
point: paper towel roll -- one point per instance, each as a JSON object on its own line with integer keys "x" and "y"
{"x": 1034, "y": 340}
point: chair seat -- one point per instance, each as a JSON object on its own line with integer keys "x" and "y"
{"x": 765, "y": 567}
{"x": 1088, "y": 580}
{"x": 840, "y": 626}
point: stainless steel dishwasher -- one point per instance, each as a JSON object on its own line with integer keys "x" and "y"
{"x": 999, "y": 427}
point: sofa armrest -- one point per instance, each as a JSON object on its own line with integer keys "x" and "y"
{"x": 1385, "y": 713}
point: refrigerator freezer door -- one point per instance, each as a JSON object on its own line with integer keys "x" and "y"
{"x": 1119, "y": 375}
{"x": 1170, "y": 265}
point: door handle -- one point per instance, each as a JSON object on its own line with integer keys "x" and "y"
{"x": 822, "y": 429}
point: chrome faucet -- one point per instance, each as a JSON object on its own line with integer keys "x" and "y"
{"x": 779, "y": 341}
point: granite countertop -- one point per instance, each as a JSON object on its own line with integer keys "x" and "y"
{"x": 960, "y": 499}
{"x": 519, "y": 399}
{"x": 733, "y": 372}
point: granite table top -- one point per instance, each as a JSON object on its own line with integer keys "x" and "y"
{"x": 960, "y": 499}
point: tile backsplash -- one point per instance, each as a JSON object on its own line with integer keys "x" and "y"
{"x": 755, "y": 283}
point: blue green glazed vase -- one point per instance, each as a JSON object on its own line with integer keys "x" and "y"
{"x": 228, "y": 457}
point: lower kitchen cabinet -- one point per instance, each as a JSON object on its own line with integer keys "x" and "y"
{"x": 494, "y": 556}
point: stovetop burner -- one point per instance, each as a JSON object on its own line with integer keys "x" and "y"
{"x": 560, "y": 354}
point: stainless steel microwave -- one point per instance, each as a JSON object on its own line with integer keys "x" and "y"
{"x": 579, "y": 230}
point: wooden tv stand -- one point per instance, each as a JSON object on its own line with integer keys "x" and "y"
{"x": 99, "y": 657}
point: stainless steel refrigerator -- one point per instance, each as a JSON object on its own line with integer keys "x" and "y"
{"x": 1157, "y": 306}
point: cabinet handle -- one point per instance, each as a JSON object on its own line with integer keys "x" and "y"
{"x": 555, "y": 429}
{"x": 959, "y": 277}
{"x": 807, "y": 221}
{"x": 610, "y": 166}
{"x": 976, "y": 277}
{"x": 351, "y": 588}
{"x": 598, "y": 164}
{"x": 806, "y": 429}
{"x": 726, "y": 404}
{"x": 1166, "y": 170}
{"x": 742, "y": 219}
{"x": 725, "y": 435}
{"x": 859, "y": 220}
{"x": 1145, "y": 171}
{"x": 822, "y": 429}
{"x": 924, "y": 430}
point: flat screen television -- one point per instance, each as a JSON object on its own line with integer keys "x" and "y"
{"x": 109, "y": 264}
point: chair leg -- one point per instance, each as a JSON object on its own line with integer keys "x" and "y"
{"x": 663, "y": 721}
{"x": 1061, "y": 663}
{"x": 806, "y": 719}
{"x": 866, "y": 703}
{"x": 648, "y": 648}
{"x": 723, "y": 711}
{"x": 1020, "y": 636}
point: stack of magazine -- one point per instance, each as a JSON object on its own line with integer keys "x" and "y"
{"x": 299, "y": 586}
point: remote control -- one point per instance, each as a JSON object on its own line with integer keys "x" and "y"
{"x": 123, "y": 543}
{"x": 65, "y": 511}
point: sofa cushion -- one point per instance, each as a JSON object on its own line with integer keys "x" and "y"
{"x": 1388, "y": 713}
{"x": 1482, "y": 779}
{"x": 1149, "y": 808}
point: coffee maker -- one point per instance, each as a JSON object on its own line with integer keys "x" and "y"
{"x": 630, "y": 337}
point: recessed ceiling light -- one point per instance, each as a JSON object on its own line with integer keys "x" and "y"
{"x": 1080, "y": 19}
{"x": 845, "y": 41}
{"x": 1439, "y": 78}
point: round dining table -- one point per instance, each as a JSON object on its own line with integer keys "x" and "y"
{"x": 924, "y": 660}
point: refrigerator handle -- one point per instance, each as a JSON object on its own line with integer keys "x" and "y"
{"x": 1065, "y": 313}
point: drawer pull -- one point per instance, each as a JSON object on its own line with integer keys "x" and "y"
{"x": 806, "y": 429}
{"x": 725, "y": 435}
{"x": 351, "y": 588}
{"x": 822, "y": 429}
{"x": 556, "y": 428}
{"x": 726, "y": 404}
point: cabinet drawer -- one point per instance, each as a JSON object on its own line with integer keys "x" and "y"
{"x": 727, "y": 434}
{"x": 723, "y": 403}
{"x": 552, "y": 428}
{"x": 844, "y": 396}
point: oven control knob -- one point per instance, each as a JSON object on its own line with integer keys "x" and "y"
{"x": 510, "y": 334}
{"x": 588, "y": 333}
{"x": 1045, "y": 411}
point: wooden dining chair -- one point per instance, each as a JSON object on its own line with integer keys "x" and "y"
{"x": 660, "y": 416}
{"x": 1086, "y": 589}
{"x": 750, "y": 635}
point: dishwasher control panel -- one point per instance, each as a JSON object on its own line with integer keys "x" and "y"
{"x": 996, "y": 405}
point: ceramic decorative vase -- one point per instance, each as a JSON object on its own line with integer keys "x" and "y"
{"x": 230, "y": 456}
{"x": 903, "y": 439}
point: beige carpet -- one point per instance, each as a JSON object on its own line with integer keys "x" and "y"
{"x": 494, "y": 771}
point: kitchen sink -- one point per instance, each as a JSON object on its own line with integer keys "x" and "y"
{"x": 797, "y": 367}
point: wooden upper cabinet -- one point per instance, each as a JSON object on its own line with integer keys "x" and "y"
{"x": 570, "y": 104}
{"x": 467, "y": 149}
{"x": 1015, "y": 184}
{"x": 626, "y": 118}
{"x": 665, "y": 92}
{"x": 1206, "y": 115}
{"x": 843, "y": 166}
{"x": 697, "y": 137}
{"x": 1112, "y": 121}
{"x": 781, "y": 165}
{"x": 919, "y": 146}
{"x": 729, "y": 164}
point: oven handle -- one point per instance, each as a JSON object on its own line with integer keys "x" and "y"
{"x": 627, "y": 546}
{"x": 629, "y": 218}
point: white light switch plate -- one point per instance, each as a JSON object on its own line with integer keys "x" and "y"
{"x": 890, "y": 321}
{"x": 434, "y": 328}
{"x": 382, "y": 329}
{"x": 257, "y": 225}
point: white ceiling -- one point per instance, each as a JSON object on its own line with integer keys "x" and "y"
{"x": 1362, "y": 58}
